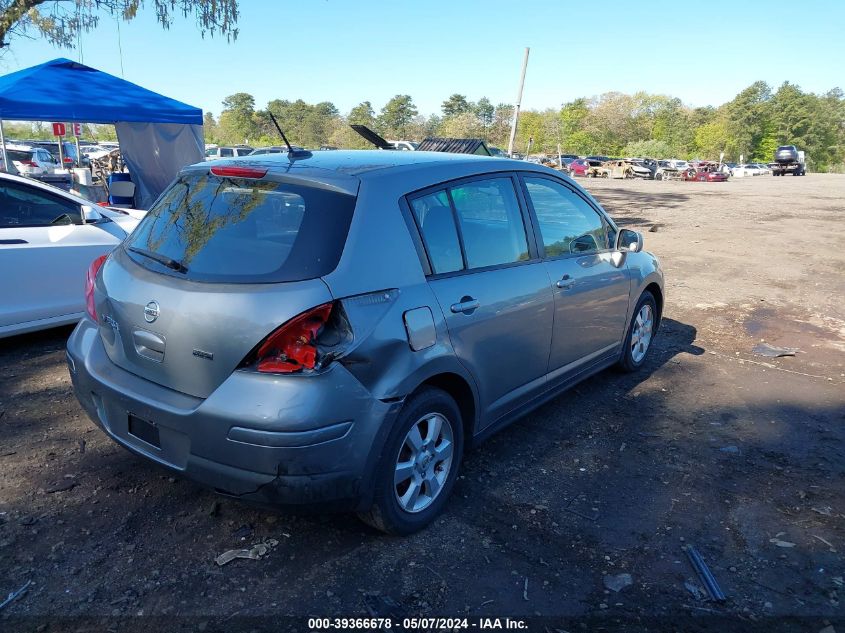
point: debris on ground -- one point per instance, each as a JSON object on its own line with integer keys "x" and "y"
{"x": 253, "y": 553}
{"x": 618, "y": 582}
{"x": 382, "y": 606}
{"x": 62, "y": 486}
{"x": 15, "y": 595}
{"x": 826, "y": 542}
{"x": 770, "y": 351}
{"x": 697, "y": 592}
{"x": 243, "y": 532}
{"x": 730, "y": 449}
{"x": 781, "y": 543}
{"x": 704, "y": 574}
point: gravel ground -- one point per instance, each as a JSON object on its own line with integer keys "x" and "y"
{"x": 712, "y": 444}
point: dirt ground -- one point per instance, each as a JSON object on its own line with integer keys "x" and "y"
{"x": 712, "y": 444}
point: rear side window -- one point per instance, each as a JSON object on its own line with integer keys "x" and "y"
{"x": 472, "y": 225}
{"x": 491, "y": 222}
{"x": 236, "y": 230}
{"x": 568, "y": 225}
{"x": 437, "y": 225}
{"x": 226, "y": 151}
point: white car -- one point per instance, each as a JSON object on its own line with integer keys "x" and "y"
{"x": 678, "y": 165}
{"x": 228, "y": 151}
{"x": 31, "y": 161}
{"x": 48, "y": 239}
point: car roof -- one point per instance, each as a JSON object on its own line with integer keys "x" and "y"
{"x": 358, "y": 162}
{"x": 20, "y": 147}
{"x": 37, "y": 184}
{"x": 344, "y": 170}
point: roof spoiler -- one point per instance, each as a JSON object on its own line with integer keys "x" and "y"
{"x": 372, "y": 137}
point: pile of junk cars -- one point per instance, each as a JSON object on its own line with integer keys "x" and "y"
{"x": 644, "y": 168}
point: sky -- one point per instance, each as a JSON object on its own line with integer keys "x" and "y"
{"x": 348, "y": 51}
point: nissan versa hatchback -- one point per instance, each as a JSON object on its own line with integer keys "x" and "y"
{"x": 336, "y": 329}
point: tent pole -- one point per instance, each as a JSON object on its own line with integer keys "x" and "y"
{"x": 3, "y": 142}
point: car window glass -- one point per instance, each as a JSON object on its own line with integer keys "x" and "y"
{"x": 226, "y": 151}
{"x": 243, "y": 152}
{"x": 568, "y": 225}
{"x": 26, "y": 206}
{"x": 245, "y": 231}
{"x": 437, "y": 225}
{"x": 491, "y": 222}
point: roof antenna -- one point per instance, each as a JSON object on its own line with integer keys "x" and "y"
{"x": 292, "y": 153}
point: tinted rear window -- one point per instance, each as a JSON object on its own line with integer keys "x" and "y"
{"x": 237, "y": 230}
{"x": 19, "y": 155}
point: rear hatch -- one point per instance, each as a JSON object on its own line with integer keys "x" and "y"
{"x": 220, "y": 261}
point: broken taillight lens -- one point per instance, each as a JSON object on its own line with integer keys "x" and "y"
{"x": 305, "y": 343}
{"x": 90, "y": 278}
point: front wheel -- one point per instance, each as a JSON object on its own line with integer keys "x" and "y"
{"x": 419, "y": 464}
{"x": 640, "y": 334}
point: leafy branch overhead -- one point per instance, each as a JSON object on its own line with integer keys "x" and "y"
{"x": 60, "y": 22}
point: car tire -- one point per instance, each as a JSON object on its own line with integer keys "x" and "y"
{"x": 635, "y": 352}
{"x": 390, "y": 511}
{"x": 658, "y": 176}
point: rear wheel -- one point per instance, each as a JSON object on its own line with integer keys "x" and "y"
{"x": 419, "y": 464}
{"x": 640, "y": 334}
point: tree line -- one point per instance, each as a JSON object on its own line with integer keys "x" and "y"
{"x": 751, "y": 125}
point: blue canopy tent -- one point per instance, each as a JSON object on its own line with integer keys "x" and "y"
{"x": 158, "y": 135}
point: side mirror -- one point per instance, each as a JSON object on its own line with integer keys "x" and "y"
{"x": 90, "y": 214}
{"x": 629, "y": 241}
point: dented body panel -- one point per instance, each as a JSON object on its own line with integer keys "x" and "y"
{"x": 316, "y": 438}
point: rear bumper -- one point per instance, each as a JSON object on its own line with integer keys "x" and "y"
{"x": 274, "y": 440}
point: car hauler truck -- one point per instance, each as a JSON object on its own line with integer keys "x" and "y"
{"x": 788, "y": 160}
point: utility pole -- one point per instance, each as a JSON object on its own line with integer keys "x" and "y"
{"x": 518, "y": 102}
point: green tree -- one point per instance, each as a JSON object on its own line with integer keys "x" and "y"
{"x": 485, "y": 113}
{"x": 463, "y": 125}
{"x": 455, "y": 104}
{"x": 362, "y": 114}
{"x": 60, "y": 22}
{"x": 237, "y": 121}
{"x": 747, "y": 114}
{"x": 209, "y": 126}
{"x": 396, "y": 115}
{"x": 649, "y": 148}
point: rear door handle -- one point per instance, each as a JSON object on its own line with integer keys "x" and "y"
{"x": 466, "y": 305}
{"x": 565, "y": 283}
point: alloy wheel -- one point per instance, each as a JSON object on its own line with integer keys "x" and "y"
{"x": 423, "y": 462}
{"x": 642, "y": 333}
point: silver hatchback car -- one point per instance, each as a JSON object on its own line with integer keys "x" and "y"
{"x": 336, "y": 329}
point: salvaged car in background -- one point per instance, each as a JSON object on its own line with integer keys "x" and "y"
{"x": 704, "y": 171}
{"x": 666, "y": 171}
{"x": 628, "y": 168}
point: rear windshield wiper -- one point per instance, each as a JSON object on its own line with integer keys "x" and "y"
{"x": 161, "y": 259}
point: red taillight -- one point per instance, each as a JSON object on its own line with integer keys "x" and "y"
{"x": 293, "y": 347}
{"x": 68, "y": 159}
{"x": 232, "y": 171}
{"x": 29, "y": 163}
{"x": 93, "y": 269}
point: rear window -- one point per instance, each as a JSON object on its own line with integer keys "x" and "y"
{"x": 19, "y": 155}
{"x": 236, "y": 230}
